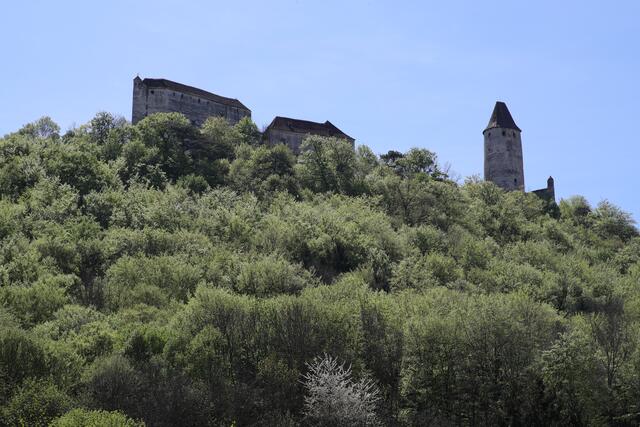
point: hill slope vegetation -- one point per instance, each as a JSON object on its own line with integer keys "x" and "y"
{"x": 173, "y": 275}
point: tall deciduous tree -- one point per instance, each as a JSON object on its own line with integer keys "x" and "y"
{"x": 327, "y": 165}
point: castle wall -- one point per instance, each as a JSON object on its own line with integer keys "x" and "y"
{"x": 293, "y": 140}
{"x": 503, "y": 163}
{"x": 156, "y": 101}
{"x": 152, "y": 100}
{"x": 199, "y": 109}
{"x": 549, "y": 193}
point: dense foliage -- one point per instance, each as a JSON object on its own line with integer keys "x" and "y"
{"x": 172, "y": 275}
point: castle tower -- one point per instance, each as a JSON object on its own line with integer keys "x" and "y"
{"x": 503, "y": 150}
{"x": 139, "y": 105}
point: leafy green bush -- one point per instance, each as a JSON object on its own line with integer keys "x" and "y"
{"x": 21, "y": 356}
{"x": 85, "y": 418}
{"x": 35, "y": 403}
{"x": 37, "y": 303}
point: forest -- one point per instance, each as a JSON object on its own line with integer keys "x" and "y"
{"x": 161, "y": 274}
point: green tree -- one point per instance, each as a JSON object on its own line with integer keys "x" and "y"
{"x": 470, "y": 360}
{"x": 76, "y": 163}
{"x": 113, "y": 384}
{"x": 611, "y": 221}
{"x": 101, "y": 126}
{"x": 327, "y": 165}
{"x": 174, "y": 139}
{"x": 419, "y": 200}
{"x": 99, "y": 418}
{"x": 35, "y": 403}
{"x": 20, "y": 166}
{"x": 573, "y": 380}
{"x": 21, "y": 357}
{"x": 264, "y": 170}
{"x": 42, "y": 128}
{"x": 418, "y": 161}
{"x": 575, "y": 209}
{"x": 248, "y": 132}
{"x": 38, "y": 302}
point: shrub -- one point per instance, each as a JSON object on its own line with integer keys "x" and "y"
{"x": 36, "y": 303}
{"x": 85, "y": 418}
{"x": 36, "y": 403}
{"x": 113, "y": 384}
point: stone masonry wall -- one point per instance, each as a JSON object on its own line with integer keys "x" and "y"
{"x": 148, "y": 101}
{"x": 293, "y": 140}
{"x": 503, "y": 164}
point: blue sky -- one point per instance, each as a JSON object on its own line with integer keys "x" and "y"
{"x": 392, "y": 74}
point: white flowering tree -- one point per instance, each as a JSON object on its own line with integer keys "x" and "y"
{"x": 333, "y": 398}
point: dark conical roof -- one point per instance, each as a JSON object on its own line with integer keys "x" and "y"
{"x": 501, "y": 118}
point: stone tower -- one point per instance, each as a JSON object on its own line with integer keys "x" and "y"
{"x": 503, "y": 150}
{"x": 139, "y": 104}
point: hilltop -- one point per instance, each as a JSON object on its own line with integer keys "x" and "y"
{"x": 169, "y": 274}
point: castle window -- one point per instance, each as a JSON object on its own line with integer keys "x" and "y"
{"x": 515, "y": 181}
{"x": 504, "y": 133}
{"x": 198, "y": 100}
{"x": 152, "y": 92}
{"x": 181, "y": 95}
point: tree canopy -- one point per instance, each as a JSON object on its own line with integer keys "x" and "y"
{"x": 164, "y": 274}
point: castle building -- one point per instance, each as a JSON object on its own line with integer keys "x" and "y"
{"x": 503, "y": 163}
{"x": 291, "y": 132}
{"x": 549, "y": 193}
{"x": 164, "y": 96}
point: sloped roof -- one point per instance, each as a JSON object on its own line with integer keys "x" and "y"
{"x": 179, "y": 87}
{"x": 501, "y": 118}
{"x": 304, "y": 126}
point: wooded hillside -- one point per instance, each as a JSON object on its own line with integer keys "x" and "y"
{"x": 173, "y": 275}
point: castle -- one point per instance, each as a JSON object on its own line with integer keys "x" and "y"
{"x": 291, "y": 132}
{"x": 165, "y": 96}
{"x": 503, "y": 164}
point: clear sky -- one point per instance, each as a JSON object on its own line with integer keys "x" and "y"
{"x": 392, "y": 74}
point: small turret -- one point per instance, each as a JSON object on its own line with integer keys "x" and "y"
{"x": 503, "y": 164}
{"x": 549, "y": 193}
{"x": 139, "y": 107}
{"x": 551, "y": 189}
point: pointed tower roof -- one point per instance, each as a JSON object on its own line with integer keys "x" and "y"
{"x": 501, "y": 118}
